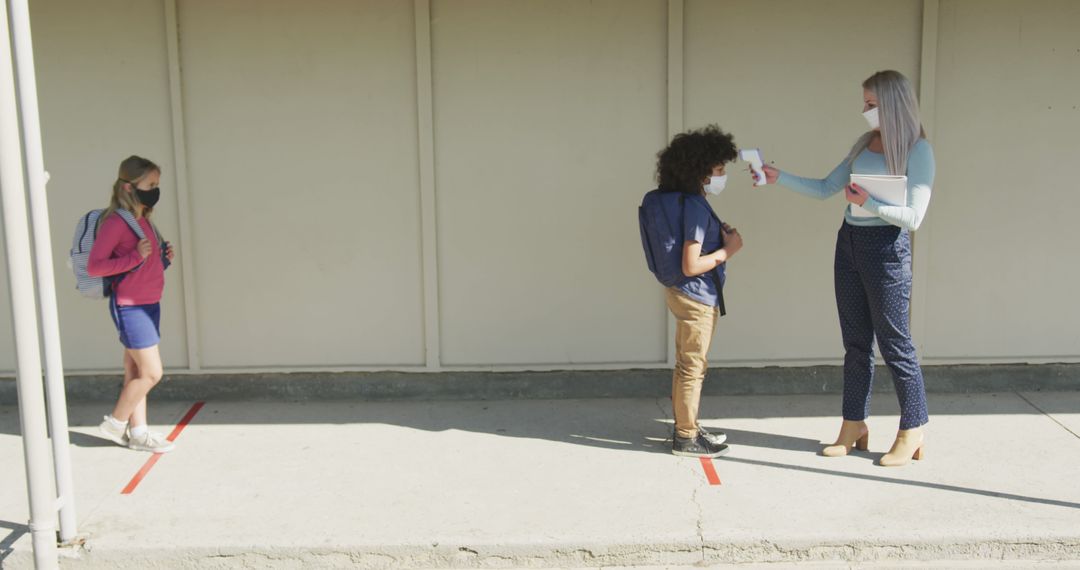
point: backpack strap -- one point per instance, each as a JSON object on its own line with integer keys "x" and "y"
{"x": 135, "y": 227}
{"x": 162, "y": 246}
{"x": 112, "y": 281}
{"x": 132, "y": 223}
{"x": 719, "y": 294}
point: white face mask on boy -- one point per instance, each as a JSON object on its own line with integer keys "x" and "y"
{"x": 872, "y": 118}
{"x": 716, "y": 184}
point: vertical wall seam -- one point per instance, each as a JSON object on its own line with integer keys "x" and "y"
{"x": 675, "y": 112}
{"x": 922, "y": 241}
{"x": 186, "y": 249}
{"x": 426, "y": 140}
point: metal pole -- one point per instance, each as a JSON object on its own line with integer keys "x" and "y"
{"x": 39, "y": 479}
{"x": 56, "y": 400}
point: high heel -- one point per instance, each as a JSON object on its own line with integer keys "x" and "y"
{"x": 910, "y": 444}
{"x": 852, "y": 435}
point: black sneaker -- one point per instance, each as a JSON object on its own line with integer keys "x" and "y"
{"x": 697, "y": 447}
{"x": 715, "y": 438}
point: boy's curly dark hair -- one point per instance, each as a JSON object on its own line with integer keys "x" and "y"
{"x": 691, "y": 156}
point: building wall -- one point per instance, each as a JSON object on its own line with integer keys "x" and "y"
{"x": 1002, "y": 245}
{"x": 302, "y": 194}
{"x": 302, "y": 150}
{"x": 547, "y": 115}
{"x": 103, "y": 90}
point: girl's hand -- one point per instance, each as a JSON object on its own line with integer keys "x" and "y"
{"x": 144, "y": 248}
{"x": 856, "y": 195}
{"x": 169, "y": 251}
{"x": 771, "y": 174}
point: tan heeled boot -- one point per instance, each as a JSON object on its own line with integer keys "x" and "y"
{"x": 908, "y": 445}
{"x": 852, "y": 434}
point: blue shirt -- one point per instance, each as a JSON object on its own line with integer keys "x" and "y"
{"x": 700, "y": 224}
{"x": 920, "y": 173}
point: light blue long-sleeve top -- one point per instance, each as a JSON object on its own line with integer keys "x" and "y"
{"x": 920, "y": 180}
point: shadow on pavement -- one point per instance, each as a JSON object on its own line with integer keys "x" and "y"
{"x": 17, "y": 532}
{"x": 908, "y": 482}
{"x": 636, "y": 425}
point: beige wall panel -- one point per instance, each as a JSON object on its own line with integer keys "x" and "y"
{"x": 302, "y": 143}
{"x": 103, "y": 93}
{"x": 1003, "y": 271}
{"x": 548, "y": 115}
{"x": 785, "y": 75}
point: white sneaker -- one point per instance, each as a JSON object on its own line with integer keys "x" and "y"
{"x": 152, "y": 442}
{"x": 114, "y": 433}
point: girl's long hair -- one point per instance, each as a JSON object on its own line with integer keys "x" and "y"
{"x": 898, "y": 112}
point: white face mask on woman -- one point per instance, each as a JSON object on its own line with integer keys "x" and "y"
{"x": 716, "y": 184}
{"x": 872, "y": 118}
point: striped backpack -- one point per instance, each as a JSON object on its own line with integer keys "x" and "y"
{"x": 83, "y": 241}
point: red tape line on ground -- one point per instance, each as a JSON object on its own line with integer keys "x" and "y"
{"x": 154, "y": 458}
{"x": 710, "y": 471}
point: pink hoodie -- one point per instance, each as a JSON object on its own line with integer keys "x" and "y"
{"x": 114, "y": 252}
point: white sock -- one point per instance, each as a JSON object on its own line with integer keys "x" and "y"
{"x": 115, "y": 422}
{"x": 139, "y": 431}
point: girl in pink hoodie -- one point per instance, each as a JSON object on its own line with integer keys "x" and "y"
{"x": 135, "y": 268}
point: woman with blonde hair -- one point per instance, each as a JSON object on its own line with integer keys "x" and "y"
{"x": 128, "y": 251}
{"x": 872, "y": 266}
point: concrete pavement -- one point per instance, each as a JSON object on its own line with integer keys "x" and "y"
{"x": 565, "y": 483}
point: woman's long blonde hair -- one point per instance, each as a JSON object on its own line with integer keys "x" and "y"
{"x": 898, "y": 112}
{"x": 132, "y": 170}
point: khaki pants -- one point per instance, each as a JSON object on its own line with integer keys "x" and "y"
{"x": 694, "y": 325}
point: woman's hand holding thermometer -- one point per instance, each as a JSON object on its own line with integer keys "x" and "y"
{"x": 753, "y": 156}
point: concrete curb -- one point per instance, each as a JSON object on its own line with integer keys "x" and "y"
{"x": 692, "y": 553}
{"x": 398, "y": 386}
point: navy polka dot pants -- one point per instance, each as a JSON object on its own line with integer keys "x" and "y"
{"x": 873, "y": 293}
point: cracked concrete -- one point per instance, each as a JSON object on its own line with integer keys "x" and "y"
{"x": 700, "y": 523}
{"x": 566, "y": 483}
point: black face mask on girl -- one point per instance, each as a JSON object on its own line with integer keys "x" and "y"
{"x": 148, "y": 197}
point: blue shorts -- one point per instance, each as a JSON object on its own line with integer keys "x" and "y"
{"x": 139, "y": 325}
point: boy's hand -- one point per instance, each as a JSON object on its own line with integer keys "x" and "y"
{"x": 733, "y": 241}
